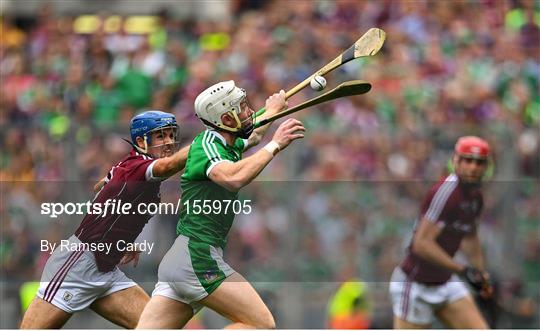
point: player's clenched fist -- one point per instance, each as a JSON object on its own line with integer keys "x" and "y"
{"x": 275, "y": 103}
{"x": 288, "y": 131}
{"x": 479, "y": 281}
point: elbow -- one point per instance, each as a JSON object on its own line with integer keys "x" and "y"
{"x": 235, "y": 184}
{"x": 418, "y": 246}
{"x": 231, "y": 186}
{"x": 230, "y": 183}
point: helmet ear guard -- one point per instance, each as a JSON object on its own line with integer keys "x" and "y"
{"x": 137, "y": 147}
{"x": 145, "y": 149}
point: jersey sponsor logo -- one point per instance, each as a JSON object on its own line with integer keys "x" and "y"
{"x": 462, "y": 226}
{"x": 210, "y": 276}
{"x": 470, "y": 206}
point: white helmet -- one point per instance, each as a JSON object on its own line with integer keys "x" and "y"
{"x": 219, "y": 99}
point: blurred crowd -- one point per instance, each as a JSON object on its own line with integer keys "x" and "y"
{"x": 352, "y": 186}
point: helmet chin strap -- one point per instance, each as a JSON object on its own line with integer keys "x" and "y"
{"x": 240, "y": 131}
{"x": 230, "y": 128}
{"x": 145, "y": 149}
{"x": 237, "y": 131}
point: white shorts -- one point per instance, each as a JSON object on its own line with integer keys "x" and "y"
{"x": 71, "y": 280}
{"x": 190, "y": 271}
{"x": 415, "y": 302}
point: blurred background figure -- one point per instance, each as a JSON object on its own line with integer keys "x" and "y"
{"x": 350, "y": 307}
{"x": 338, "y": 207}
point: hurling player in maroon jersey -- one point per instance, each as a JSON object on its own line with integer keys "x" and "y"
{"x": 426, "y": 284}
{"x": 75, "y": 279}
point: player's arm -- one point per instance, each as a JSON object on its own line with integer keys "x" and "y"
{"x": 472, "y": 248}
{"x": 167, "y": 166}
{"x": 425, "y": 245}
{"x": 476, "y": 274}
{"x": 274, "y": 104}
{"x": 99, "y": 185}
{"x": 234, "y": 176}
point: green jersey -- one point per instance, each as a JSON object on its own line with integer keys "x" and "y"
{"x": 207, "y": 209}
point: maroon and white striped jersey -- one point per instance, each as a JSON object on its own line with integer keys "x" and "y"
{"x": 130, "y": 181}
{"x": 454, "y": 207}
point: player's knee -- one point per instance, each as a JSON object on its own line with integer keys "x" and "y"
{"x": 26, "y": 323}
{"x": 266, "y": 321}
{"x": 130, "y": 323}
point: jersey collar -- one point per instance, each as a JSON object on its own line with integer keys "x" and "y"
{"x": 134, "y": 152}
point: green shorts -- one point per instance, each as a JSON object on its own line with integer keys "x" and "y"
{"x": 190, "y": 271}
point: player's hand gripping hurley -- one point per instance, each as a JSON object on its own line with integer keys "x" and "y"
{"x": 479, "y": 281}
{"x": 369, "y": 44}
{"x": 349, "y": 88}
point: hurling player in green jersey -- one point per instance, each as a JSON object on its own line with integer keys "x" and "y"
{"x": 193, "y": 273}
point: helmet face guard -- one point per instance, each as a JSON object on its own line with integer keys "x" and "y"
{"x": 163, "y": 149}
{"x": 244, "y": 128}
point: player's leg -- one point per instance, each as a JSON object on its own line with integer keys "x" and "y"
{"x": 238, "y": 301}
{"x": 402, "y": 324}
{"x": 165, "y": 313}
{"x": 462, "y": 314}
{"x": 177, "y": 287}
{"x": 123, "y": 307}
{"x": 54, "y": 303}
{"x": 410, "y": 311}
{"x": 459, "y": 310}
{"x": 43, "y": 315}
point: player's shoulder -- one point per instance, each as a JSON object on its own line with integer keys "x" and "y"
{"x": 133, "y": 161}
{"x": 210, "y": 141}
{"x": 441, "y": 197}
{"x": 135, "y": 157}
{"x": 215, "y": 138}
{"x": 206, "y": 138}
{"x": 445, "y": 186}
{"x": 132, "y": 167}
{"x": 213, "y": 146}
{"x": 203, "y": 148}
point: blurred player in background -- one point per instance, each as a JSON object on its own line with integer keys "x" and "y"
{"x": 351, "y": 307}
{"x": 193, "y": 273}
{"x": 426, "y": 282}
{"x": 75, "y": 280}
